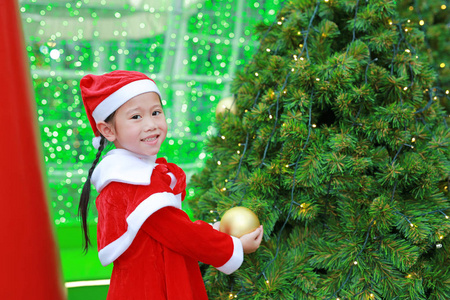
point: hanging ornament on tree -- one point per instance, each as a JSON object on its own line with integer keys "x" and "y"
{"x": 226, "y": 105}
{"x": 238, "y": 221}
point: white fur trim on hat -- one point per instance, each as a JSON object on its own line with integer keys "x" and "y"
{"x": 122, "y": 95}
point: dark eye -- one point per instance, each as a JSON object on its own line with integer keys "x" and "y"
{"x": 156, "y": 112}
{"x": 135, "y": 117}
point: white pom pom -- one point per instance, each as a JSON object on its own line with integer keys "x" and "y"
{"x": 96, "y": 142}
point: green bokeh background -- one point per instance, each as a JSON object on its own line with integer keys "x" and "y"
{"x": 191, "y": 48}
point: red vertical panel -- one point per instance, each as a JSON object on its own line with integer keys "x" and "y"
{"x": 29, "y": 261}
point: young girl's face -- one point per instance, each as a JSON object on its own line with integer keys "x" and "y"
{"x": 139, "y": 125}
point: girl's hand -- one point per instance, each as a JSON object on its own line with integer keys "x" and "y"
{"x": 252, "y": 240}
{"x": 216, "y": 225}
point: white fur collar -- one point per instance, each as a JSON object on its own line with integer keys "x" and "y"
{"x": 121, "y": 165}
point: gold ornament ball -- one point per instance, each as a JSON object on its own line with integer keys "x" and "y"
{"x": 225, "y": 105}
{"x": 238, "y": 221}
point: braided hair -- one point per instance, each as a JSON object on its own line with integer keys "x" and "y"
{"x": 85, "y": 195}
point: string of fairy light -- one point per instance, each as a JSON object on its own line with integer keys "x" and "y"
{"x": 439, "y": 92}
{"x": 304, "y": 49}
{"x": 310, "y": 126}
{"x": 438, "y": 245}
{"x": 423, "y": 25}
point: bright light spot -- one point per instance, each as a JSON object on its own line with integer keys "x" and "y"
{"x": 54, "y": 54}
{"x": 135, "y": 3}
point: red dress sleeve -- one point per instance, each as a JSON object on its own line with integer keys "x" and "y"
{"x": 198, "y": 240}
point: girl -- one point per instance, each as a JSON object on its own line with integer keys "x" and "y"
{"x": 153, "y": 244}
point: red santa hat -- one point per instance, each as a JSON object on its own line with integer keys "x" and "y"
{"x": 104, "y": 94}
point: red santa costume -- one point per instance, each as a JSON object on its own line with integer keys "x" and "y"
{"x": 141, "y": 228}
{"x": 153, "y": 244}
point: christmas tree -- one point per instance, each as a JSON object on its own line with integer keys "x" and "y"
{"x": 339, "y": 143}
{"x": 433, "y": 18}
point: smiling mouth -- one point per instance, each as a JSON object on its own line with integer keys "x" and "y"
{"x": 150, "y": 139}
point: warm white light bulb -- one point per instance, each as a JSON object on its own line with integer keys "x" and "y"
{"x": 54, "y": 54}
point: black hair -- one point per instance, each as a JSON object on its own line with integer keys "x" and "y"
{"x": 85, "y": 196}
{"x": 83, "y": 207}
